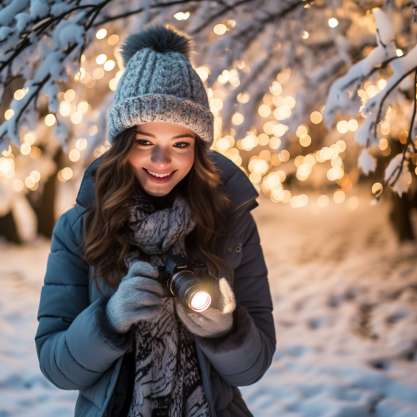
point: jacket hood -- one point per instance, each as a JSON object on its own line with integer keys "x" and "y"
{"x": 235, "y": 183}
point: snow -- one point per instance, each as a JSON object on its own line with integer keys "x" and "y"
{"x": 366, "y": 162}
{"x": 345, "y": 309}
{"x": 391, "y": 171}
{"x": 384, "y": 26}
{"x": 39, "y": 8}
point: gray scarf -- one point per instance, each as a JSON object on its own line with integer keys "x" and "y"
{"x": 167, "y": 376}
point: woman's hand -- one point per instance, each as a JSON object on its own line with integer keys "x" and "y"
{"x": 215, "y": 321}
{"x": 138, "y": 297}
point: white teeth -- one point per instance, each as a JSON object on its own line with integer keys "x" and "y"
{"x": 159, "y": 175}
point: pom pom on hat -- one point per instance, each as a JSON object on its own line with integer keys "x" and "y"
{"x": 160, "y": 39}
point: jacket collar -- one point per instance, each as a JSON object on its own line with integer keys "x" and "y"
{"x": 235, "y": 183}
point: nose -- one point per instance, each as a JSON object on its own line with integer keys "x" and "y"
{"x": 160, "y": 155}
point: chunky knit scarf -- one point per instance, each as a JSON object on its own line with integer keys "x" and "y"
{"x": 167, "y": 376}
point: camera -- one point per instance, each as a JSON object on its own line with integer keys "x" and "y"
{"x": 193, "y": 289}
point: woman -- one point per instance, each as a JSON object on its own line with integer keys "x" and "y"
{"x": 107, "y": 325}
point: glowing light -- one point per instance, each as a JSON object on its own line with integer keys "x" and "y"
{"x": 264, "y": 110}
{"x": 263, "y": 139}
{"x": 276, "y": 88}
{"x": 303, "y": 172}
{"x": 353, "y": 125}
{"x": 113, "y": 84}
{"x": 50, "y": 119}
{"x": 200, "y": 301}
{"x": 25, "y": 149}
{"x": 20, "y": 93}
{"x": 101, "y": 59}
{"x": 238, "y": 119}
{"x": 342, "y": 126}
{"x": 220, "y": 29}
{"x": 284, "y": 155}
{"x": 101, "y": 33}
{"x": 399, "y": 52}
{"x": 341, "y": 145}
{"x": 243, "y": 98}
{"x": 7, "y": 167}
{"x": 83, "y": 106}
{"x": 65, "y": 174}
{"x": 69, "y": 95}
{"x": 316, "y": 117}
{"x": 334, "y": 173}
{"x": 30, "y": 183}
{"x": 81, "y": 144}
{"x": 383, "y": 144}
{"x": 376, "y": 188}
{"x": 271, "y": 181}
{"x": 339, "y": 196}
{"x": 301, "y": 131}
{"x": 216, "y": 104}
{"x": 382, "y": 83}
{"x": 224, "y": 143}
{"x": 255, "y": 177}
{"x": 249, "y": 142}
{"x": 279, "y": 129}
{"x": 203, "y": 71}
{"x": 74, "y": 155}
{"x": 290, "y": 101}
{"x": 332, "y": 22}
{"x": 305, "y": 141}
{"x": 280, "y": 196}
{"x": 282, "y": 112}
{"x": 80, "y": 74}
{"x": 259, "y": 166}
{"x": 8, "y": 114}
{"x": 182, "y": 15}
{"x": 109, "y": 65}
{"x": 275, "y": 143}
{"x": 284, "y": 76}
{"x": 113, "y": 39}
{"x": 305, "y": 34}
{"x": 76, "y": 118}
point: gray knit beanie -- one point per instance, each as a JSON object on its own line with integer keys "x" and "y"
{"x": 159, "y": 84}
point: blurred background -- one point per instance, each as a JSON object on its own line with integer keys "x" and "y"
{"x": 316, "y": 102}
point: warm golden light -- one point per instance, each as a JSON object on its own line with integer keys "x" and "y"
{"x": 200, "y": 301}
{"x": 50, "y": 119}
{"x": 101, "y": 33}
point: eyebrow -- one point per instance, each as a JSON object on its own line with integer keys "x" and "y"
{"x": 181, "y": 135}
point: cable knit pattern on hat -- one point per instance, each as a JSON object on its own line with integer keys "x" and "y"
{"x": 160, "y": 84}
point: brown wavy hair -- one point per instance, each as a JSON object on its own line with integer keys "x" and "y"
{"x": 105, "y": 244}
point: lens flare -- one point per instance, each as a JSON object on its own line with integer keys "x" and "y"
{"x": 200, "y": 301}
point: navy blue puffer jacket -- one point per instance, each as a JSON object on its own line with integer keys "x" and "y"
{"x": 77, "y": 350}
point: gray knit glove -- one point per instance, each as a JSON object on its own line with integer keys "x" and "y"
{"x": 217, "y": 320}
{"x": 138, "y": 297}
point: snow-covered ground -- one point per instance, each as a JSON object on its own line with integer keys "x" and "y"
{"x": 345, "y": 312}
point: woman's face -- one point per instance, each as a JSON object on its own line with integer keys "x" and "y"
{"x": 161, "y": 156}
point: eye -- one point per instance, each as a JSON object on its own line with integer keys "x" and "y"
{"x": 141, "y": 141}
{"x": 182, "y": 145}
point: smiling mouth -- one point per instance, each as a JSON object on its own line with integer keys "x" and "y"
{"x": 157, "y": 176}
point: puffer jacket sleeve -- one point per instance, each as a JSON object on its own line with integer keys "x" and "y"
{"x": 74, "y": 341}
{"x": 243, "y": 355}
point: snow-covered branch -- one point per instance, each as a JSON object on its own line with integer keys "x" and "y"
{"x": 343, "y": 96}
